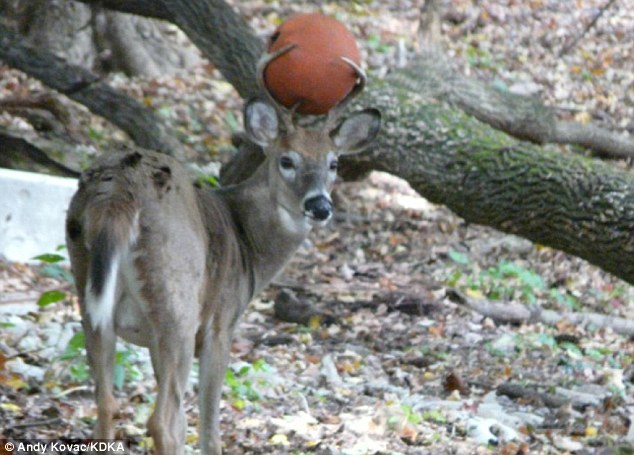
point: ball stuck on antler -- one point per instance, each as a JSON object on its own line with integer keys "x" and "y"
{"x": 315, "y": 64}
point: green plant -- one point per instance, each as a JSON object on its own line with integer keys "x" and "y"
{"x": 209, "y": 180}
{"x": 243, "y": 381}
{"x": 53, "y": 269}
{"x": 74, "y": 354}
{"x": 375, "y": 43}
{"x": 434, "y": 416}
{"x": 480, "y": 58}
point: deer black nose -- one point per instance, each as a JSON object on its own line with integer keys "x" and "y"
{"x": 318, "y": 207}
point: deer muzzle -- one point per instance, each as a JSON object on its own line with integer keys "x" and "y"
{"x": 318, "y": 208}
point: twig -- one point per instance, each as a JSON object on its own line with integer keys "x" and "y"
{"x": 515, "y": 391}
{"x": 506, "y": 313}
{"x": 79, "y": 388}
{"x": 560, "y": 397}
{"x": 515, "y": 313}
{"x": 23, "y": 353}
{"x": 574, "y": 42}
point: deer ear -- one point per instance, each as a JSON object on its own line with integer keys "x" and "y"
{"x": 357, "y": 131}
{"x": 260, "y": 122}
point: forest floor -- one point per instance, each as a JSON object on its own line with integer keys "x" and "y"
{"x": 392, "y": 353}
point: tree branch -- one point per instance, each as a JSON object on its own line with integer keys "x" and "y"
{"x": 520, "y": 116}
{"x": 146, "y": 8}
{"x": 516, "y": 313}
{"x": 17, "y": 148}
{"x": 145, "y": 129}
{"x": 223, "y": 36}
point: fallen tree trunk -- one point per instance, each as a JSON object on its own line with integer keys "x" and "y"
{"x": 581, "y": 206}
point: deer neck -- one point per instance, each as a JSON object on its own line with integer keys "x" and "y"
{"x": 269, "y": 234}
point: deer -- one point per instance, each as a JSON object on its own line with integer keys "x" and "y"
{"x": 171, "y": 265}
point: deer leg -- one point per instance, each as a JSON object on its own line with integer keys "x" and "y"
{"x": 214, "y": 357}
{"x": 172, "y": 355}
{"x": 100, "y": 347}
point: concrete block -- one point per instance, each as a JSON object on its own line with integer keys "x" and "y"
{"x": 32, "y": 213}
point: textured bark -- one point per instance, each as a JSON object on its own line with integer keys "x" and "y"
{"x": 147, "y": 8}
{"x": 86, "y": 88}
{"x": 223, "y": 36}
{"x": 523, "y": 117}
{"x": 582, "y": 206}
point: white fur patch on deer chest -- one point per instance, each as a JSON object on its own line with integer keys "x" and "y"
{"x": 293, "y": 225}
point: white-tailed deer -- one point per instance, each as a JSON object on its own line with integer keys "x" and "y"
{"x": 169, "y": 265}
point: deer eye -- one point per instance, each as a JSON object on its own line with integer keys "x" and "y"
{"x": 287, "y": 163}
{"x": 333, "y": 165}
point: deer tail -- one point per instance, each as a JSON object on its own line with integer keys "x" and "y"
{"x": 112, "y": 227}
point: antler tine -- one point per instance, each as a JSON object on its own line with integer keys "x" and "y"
{"x": 338, "y": 109}
{"x": 286, "y": 115}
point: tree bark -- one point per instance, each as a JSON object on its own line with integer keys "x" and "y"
{"x": 579, "y": 205}
{"x": 520, "y": 116}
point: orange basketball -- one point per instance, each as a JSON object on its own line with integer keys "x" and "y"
{"x": 312, "y": 73}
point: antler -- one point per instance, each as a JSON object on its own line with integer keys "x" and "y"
{"x": 338, "y": 109}
{"x": 286, "y": 115}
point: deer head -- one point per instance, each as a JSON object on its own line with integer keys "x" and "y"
{"x": 302, "y": 160}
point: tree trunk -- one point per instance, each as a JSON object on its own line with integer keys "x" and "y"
{"x": 579, "y": 205}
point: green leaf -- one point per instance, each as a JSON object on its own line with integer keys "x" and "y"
{"x": 231, "y": 122}
{"x": 544, "y": 339}
{"x": 458, "y": 257}
{"x": 79, "y": 372}
{"x": 594, "y": 354}
{"x": 119, "y": 376}
{"x": 573, "y": 351}
{"x": 239, "y": 404}
{"x": 50, "y": 297}
{"x": 56, "y": 271}
{"x": 434, "y": 416}
{"x": 74, "y": 347}
{"x": 49, "y": 258}
{"x": 210, "y": 180}
{"x": 230, "y": 378}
